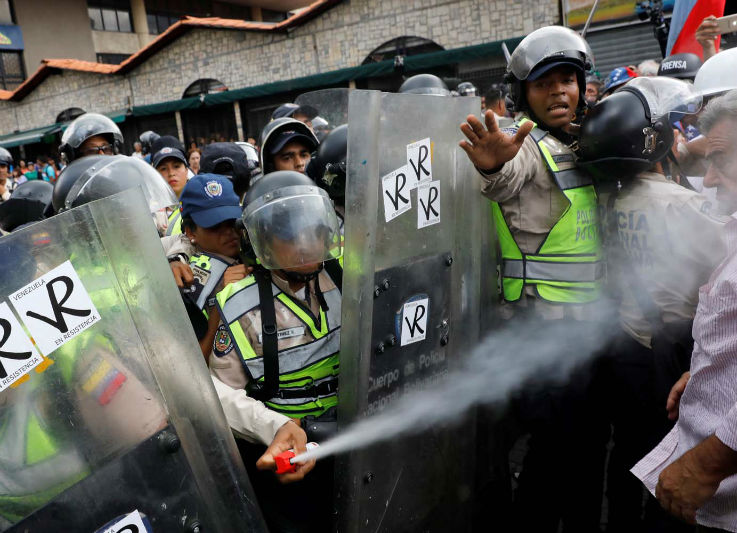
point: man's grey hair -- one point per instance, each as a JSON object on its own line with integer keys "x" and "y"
{"x": 718, "y": 109}
{"x": 649, "y": 67}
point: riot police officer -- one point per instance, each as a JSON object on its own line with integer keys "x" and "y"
{"x": 424, "y": 84}
{"x": 328, "y": 167}
{"x": 95, "y": 177}
{"x": 662, "y": 245}
{"x": 231, "y": 160}
{"x": 26, "y": 204}
{"x": 466, "y": 88}
{"x": 280, "y": 334}
{"x": 544, "y": 207}
{"x": 286, "y": 144}
{"x": 90, "y": 134}
{"x": 302, "y": 113}
{"x": 147, "y": 139}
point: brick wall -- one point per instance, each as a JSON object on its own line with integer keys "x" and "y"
{"x": 341, "y": 37}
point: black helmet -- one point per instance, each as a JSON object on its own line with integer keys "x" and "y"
{"x": 6, "y": 158}
{"x": 166, "y": 141}
{"x": 543, "y": 50}
{"x": 26, "y": 204}
{"x": 228, "y": 159}
{"x": 147, "y": 138}
{"x": 328, "y": 167}
{"x": 681, "y": 66}
{"x": 86, "y": 126}
{"x": 288, "y": 206}
{"x": 95, "y": 177}
{"x": 466, "y": 88}
{"x": 629, "y": 131}
{"x": 279, "y": 132}
{"x": 424, "y": 84}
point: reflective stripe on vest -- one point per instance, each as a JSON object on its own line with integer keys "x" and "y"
{"x": 216, "y": 267}
{"x": 38, "y": 466}
{"x": 567, "y": 268}
{"x": 308, "y": 373}
{"x": 174, "y": 223}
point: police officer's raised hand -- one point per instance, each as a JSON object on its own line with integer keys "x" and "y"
{"x": 290, "y": 436}
{"x": 489, "y": 148}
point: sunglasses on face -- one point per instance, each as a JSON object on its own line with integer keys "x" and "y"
{"x": 106, "y": 149}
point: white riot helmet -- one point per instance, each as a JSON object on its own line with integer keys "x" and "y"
{"x": 718, "y": 74}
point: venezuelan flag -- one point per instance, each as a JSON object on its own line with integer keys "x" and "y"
{"x": 687, "y": 15}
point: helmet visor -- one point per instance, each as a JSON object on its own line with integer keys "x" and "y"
{"x": 545, "y": 44}
{"x": 119, "y": 173}
{"x": 293, "y": 227}
{"x": 667, "y": 97}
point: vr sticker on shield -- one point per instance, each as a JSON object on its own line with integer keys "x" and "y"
{"x": 411, "y": 320}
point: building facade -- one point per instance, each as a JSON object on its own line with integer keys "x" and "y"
{"x": 218, "y": 75}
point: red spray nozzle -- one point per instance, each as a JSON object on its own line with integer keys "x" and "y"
{"x": 284, "y": 461}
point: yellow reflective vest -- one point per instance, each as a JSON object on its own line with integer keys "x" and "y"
{"x": 568, "y": 266}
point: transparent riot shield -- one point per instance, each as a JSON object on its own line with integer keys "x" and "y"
{"x": 330, "y": 104}
{"x": 418, "y": 286}
{"x": 108, "y": 418}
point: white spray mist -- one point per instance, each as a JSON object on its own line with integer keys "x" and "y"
{"x": 502, "y": 363}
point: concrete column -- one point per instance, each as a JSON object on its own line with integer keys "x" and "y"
{"x": 140, "y": 23}
{"x": 238, "y": 120}
{"x": 180, "y": 128}
{"x": 256, "y": 14}
{"x": 352, "y": 84}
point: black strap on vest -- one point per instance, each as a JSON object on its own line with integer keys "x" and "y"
{"x": 335, "y": 271}
{"x": 270, "y": 386}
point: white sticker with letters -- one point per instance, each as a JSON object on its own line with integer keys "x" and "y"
{"x": 414, "y": 321}
{"x": 132, "y": 523}
{"x": 55, "y": 308}
{"x": 396, "y": 195}
{"x": 419, "y": 162}
{"x": 18, "y": 355}
{"x": 428, "y": 204}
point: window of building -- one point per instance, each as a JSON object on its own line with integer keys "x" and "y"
{"x": 110, "y": 15}
{"x": 161, "y": 14}
{"x": 69, "y": 114}
{"x": 112, "y": 59}
{"x": 204, "y": 86}
{"x": 268, "y": 15}
{"x": 402, "y": 46}
{"x": 12, "y": 72}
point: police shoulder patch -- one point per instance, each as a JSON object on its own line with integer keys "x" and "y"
{"x": 511, "y": 130}
{"x": 223, "y": 344}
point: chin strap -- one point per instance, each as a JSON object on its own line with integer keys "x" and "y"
{"x": 674, "y": 170}
{"x": 299, "y": 277}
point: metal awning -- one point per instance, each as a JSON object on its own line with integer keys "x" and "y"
{"x": 36, "y": 135}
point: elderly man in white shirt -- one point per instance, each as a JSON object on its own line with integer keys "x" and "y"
{"x": 691, "y": 471}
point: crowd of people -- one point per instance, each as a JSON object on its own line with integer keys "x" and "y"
{"x": 613, "y": 204}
